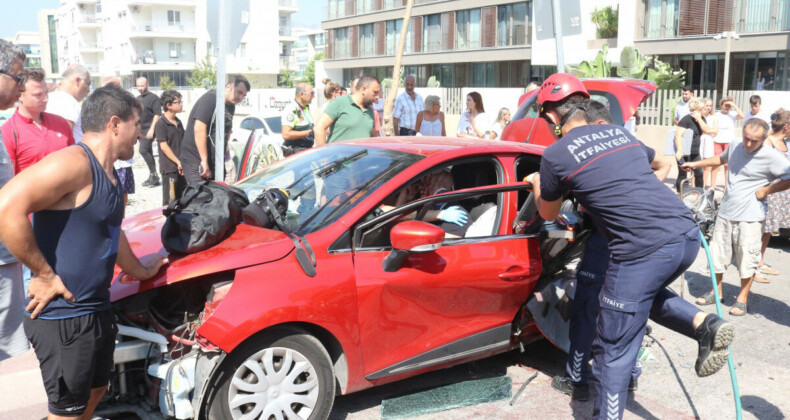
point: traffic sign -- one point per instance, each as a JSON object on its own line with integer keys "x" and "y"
{"x": 237, "y": 13}
{"x": 544, "y": 19}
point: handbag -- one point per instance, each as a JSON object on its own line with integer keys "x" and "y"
{"x": 204, "y": 216}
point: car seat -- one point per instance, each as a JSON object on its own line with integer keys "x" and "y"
{"x": 483, "y": 221}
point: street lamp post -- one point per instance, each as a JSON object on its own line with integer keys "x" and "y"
{"x": 730, "y": 36}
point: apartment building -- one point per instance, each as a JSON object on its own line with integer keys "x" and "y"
{"x": 30, "y": 43}
{"x": 309, "y": 43}
{"x": 48, "y": 41}
{"x": 492, "y": 43}
{"x": 155, "y": 38}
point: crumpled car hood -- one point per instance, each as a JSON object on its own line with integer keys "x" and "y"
{"x": 247, "y": 246}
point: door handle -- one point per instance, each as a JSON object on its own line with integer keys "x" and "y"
{"x": 517, "y": 273}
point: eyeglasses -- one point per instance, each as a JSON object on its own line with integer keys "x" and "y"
{"x": 20, "y": 78}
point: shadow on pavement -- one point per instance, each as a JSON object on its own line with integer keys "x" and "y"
{"x": 760, "y": 407}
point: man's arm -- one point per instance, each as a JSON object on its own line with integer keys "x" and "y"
{"x": 132, "y": 266}
{"x": 678, "y": 142}
{"x": 201, "y": 131}
{"x": 771, "y": 189}
{"x": 661, "y": 166}
{"x": 150, "y": 134}
{"x": 290, "y": 134}
{"x": 548, "y": 210}
{"x": 741, "y": 115}
{"x": 704, "y": 163}
{"x": 323, "y": 123}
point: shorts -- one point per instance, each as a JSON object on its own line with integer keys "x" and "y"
{"x": 12, "y": 303}
{"x": 706, "y": 148}
{"x": 745, "y": 238}
{"x": 75, "y": 356}
{"x": 126, "y": 175}
{"x": 719, "y": 148}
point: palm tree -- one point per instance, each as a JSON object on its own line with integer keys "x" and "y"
{"x": 606, "y": 20}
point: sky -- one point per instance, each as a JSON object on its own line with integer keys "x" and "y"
{"x": 21, "y": 15}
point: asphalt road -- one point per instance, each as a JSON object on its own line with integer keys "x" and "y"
{"x": 669, "y": 388}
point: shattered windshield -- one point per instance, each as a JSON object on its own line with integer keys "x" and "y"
{"x": 324, "y": 183}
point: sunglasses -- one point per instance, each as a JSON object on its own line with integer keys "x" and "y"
{"x": 20, "y": 79}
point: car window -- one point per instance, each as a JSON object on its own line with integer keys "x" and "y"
{"x": 323, "y": 184}
{"x": 275, "y": 124}
{"x": 525, "y": 165}
{"x": 530, "y": 108}
{"x": 252, "y": 124}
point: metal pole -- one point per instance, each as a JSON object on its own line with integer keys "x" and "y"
{"x": 219, "y": 139}
{"x": 725, "y": 87}
{"x": 555, "y": 9}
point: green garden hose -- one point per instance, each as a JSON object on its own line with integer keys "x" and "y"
{"x": 736, "y": 392}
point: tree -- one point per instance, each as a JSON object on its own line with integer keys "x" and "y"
{"x": 596, "y": 68}
{"x": 606, "y": 21}
{"x": 285, "y": 78}
{"x": 204, "y": 75}
{"x": 388, "y": 125}
{"x": 634, "y": 64}
{"x": 166, "y": 84}
{"x": 309, "y": 71}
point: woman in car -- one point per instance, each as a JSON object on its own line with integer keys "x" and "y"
{"x": 473, "y": 122}
{"x": 430, "y": 122}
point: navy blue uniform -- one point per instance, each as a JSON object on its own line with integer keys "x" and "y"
{"x": 652, "y": 240}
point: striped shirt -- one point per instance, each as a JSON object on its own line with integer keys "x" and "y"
{"x": 406, "y": 110}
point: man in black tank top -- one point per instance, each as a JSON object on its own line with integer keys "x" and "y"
{"x": 75, "y": 197}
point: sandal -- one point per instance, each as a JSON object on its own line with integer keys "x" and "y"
{"x": 738, "y": 309}
{"x": 761, "y": 279}
{"x": 706, "y": 299}
{"x": 767, "y": 269}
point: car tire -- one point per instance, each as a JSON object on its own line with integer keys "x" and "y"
{"x": 309, "y": 394}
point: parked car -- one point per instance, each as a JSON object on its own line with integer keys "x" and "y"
{"x": 622, "y": 96}
{"x": 256, "y": 143}
{"x": 369, "y": 287}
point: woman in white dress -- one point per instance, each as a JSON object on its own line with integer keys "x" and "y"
{"x": 502, "y": 119}
{"x": 430, "y": 122}
{"x": 473, "y": 122}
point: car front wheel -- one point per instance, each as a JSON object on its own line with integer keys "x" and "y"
{"x": 287, "y": 375}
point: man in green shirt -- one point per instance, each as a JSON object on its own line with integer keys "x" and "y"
{"x": 350, "y": 117}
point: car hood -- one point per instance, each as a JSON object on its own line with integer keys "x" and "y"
{"x": 247, "y": 246}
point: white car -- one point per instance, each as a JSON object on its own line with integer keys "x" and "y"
{"x": 256, "y": 143}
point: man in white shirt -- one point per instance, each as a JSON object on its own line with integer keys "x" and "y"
{"x": 407, "y": 105}
{"x": 726, "y": 117}
{"x": 755, "y": 111}
{"x": 682, "y": 107}
{"x": 64, "y": 101}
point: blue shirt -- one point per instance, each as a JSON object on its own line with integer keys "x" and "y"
{"x": 608, "y": 171}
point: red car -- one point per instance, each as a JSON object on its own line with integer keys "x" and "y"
{"x": 404, "y": 255}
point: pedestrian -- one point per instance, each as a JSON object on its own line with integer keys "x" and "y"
{"x": 350, "y": 117}
{"x": 297, "y": 121}
{"x": 75, "y": 198}
{"x": 590, "y": 275}
{"x": 693, "y": 122}
{"x": 152, "y": 111}
{"x": 430, "y": 122}
{"x": 474, "y": 122}
{"x": 741, "y": 216}
{"x": 407, "y": 105}
{"x": 198, "y": 145}
{"x": 760, "y": 82}
{"x": 769, "y": 79}
{"x": 706, "y": 148}
{"x": 681, "y": 108}
{"x": 778, "y": 214}
{"x": 13, "y": 341}
{"x": 502, "y": 119}
{"x": 122, "y": 167}
{"x": 168, "y": 133}
{"x": 607, "y": 170}
{"x": 331, "y": 89}
{"x": 725, "y": 119}
{"x": 756, "y": 111}
{"x": 75, "y": 83}
{"x": 31, "y": 133}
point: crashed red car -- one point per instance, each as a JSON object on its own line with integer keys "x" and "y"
{"x": 368, "y": 281}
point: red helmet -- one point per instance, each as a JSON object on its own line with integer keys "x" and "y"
{"x": 560, "y": 86}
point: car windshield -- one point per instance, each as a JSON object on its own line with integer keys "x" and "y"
{"x": 530, "y": 108}
{"x": 274, "y": 124}
{"x": 324, "y": 183}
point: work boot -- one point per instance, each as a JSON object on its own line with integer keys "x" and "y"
{"x": 564, "y": 385}
{"x": 714, "y": 336}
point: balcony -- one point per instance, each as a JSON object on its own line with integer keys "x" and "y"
{"x": 288, "y": 6}
{"x": 88, "y": 20}
{"x": 286, "y": 34}
{"x": 285, "y": 62}
{"x": 92, "y": 68}
{"x": 148, "y": 60}
{"x": 90, "y": 47}
{"x": 164, "y": 29}
{"x": 192, "y": 3}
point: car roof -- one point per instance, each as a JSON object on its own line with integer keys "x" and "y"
{"x": 430, "y": 146}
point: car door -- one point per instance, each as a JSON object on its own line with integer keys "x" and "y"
{"x": 449, "y": 304}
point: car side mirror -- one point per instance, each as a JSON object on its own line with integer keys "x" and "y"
{"x": 411, "y": 237}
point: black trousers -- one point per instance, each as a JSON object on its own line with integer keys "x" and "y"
{"x": 407, "y": 132}
{"x": 173, "y": 186}
{"x": 698, "y": 181}
{"x": 147, "y": 151}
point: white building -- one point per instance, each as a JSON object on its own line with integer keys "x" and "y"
{"x": 309, "y": 43}
{"x": 31, "y": 44}
{"x": 154, "y": 38}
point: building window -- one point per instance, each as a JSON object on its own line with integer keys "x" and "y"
{"x": 342, "y": 44}
{"x": 393, "y": 32}
{"x": 512, "y": 24}
{"x": 391, "y": 4}
{"x": 482, "y": 75}
{"x": 364, "y": 6}
{"x": 175, "y": 49}
{"x": 173, "y": 18}
{"x": 241, "y": 51}
{"x": 53, "y": 43}
{"x": 432, "y": 33}
{"x": 758, "y": 15}
{"x": 367, "y": 43}
{"x": 467, "y": 29}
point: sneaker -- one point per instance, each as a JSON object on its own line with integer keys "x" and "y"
{"x": 153, "y": 181}
{"x": 714, "y": 336}
{"x": 147, "y": 182}
{"x": 564, "y": 385}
